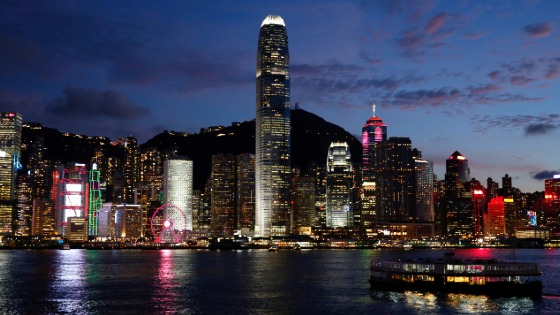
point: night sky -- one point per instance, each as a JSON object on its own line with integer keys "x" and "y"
{"x": 479, "y": 77}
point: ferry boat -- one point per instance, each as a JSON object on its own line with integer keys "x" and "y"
{"x": 450, "y": 275}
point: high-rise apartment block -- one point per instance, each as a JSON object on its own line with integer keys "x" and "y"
{"x": 272, "y": 165}
{"x": 131, "y": 168}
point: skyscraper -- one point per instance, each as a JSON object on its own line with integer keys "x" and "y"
{"x": 223, "y": 194}
{"x": 245, "y": 192}
{"x": 339, "y": 185}
{"x": 373, "y": 132}
{"x": 177, "y": 188}
{"x": 303, "y": 207}
{"x": 458, "y": 214}
{"x": 424, "y": 190}
{"x": 272, "y": 164}
{"x": 552, "y": 204}
{"x": 396, "y": 183}
{"x": 10, "y": 151}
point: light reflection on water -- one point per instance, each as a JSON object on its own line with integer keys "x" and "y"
{"x": 237, "y": 282}
{"x": 67, "y": 285}
{"x": 165, "y": 294}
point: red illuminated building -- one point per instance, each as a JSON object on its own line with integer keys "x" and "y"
{"x": 495, "y": 222}
{"x": 552, "y": 204}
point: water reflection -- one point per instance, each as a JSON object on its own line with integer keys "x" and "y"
{"x": 68, "y": 285}
{"x": 418, "y": 302}
{"x": 165, "y": 295}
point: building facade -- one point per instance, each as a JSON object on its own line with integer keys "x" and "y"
{"x": 72, "y": 194}
{"x": 495, "y": 223}
{"x": 373, "y": 132}
{"x": 424, "y": 190}
{"x": 223, "y": 194}
{"x": 339, "y": 210}
{"x": 245, "y": 213}
{"x": 10, "y": 153}
{"x": 272, "y": 165}
{"x": 458, "y": 213}
{"x": 395, "y": 178}
{"x": 303, "y": 203}
{"x": 177, "y": 192}
{"x": 552, "y": 204}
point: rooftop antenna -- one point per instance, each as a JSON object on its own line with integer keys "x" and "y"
{"x": 373, "y": 106}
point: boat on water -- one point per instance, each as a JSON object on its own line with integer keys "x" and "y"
{"x": 273, "y": 248}
{"x": 65, "y": 246}
{"x": 450, "y": 275}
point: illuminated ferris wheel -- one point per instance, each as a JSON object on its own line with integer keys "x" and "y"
{"x": 168, "y": 224}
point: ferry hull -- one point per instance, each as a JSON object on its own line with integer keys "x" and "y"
{"x": 497, "y": 289}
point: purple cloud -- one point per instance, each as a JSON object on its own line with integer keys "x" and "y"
{"x": 553, "y": 72}
{"x": 419, "y": 98}
{"x": 531, "y": 124}
{"x": 436, "y": 23}
{"x": 411, "y": 42}
{"x": 520, "y": 80}
{"x": 494, "y": 75}
{"x": 541, "y": 29}
{"x": 473, "y": 36}
{"x": 489, "y": 88}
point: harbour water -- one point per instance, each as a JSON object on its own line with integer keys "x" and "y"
{"x": 241, "y": 282}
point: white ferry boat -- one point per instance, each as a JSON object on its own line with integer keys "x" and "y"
{"x": 449, "y": 275}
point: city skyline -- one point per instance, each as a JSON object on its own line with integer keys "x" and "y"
{"x": 477, "y": 78}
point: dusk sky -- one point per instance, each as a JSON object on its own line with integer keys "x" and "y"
{"x": 478, "y": 77}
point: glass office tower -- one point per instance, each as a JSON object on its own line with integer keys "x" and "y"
{"x": 272, "y": 164}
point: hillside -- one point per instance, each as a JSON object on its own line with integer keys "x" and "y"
{"x": 311, "y": 136}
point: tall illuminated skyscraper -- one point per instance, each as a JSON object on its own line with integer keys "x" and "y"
{"x": 339, "y": 185}
{"x": 177, "y": 191}
{"x": 10, "y": 150}
{"x": 373, "y": 132}
{"x": 272, "y": 164}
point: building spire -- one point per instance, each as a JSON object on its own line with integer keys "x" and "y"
{"x": 373, "y": 106}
